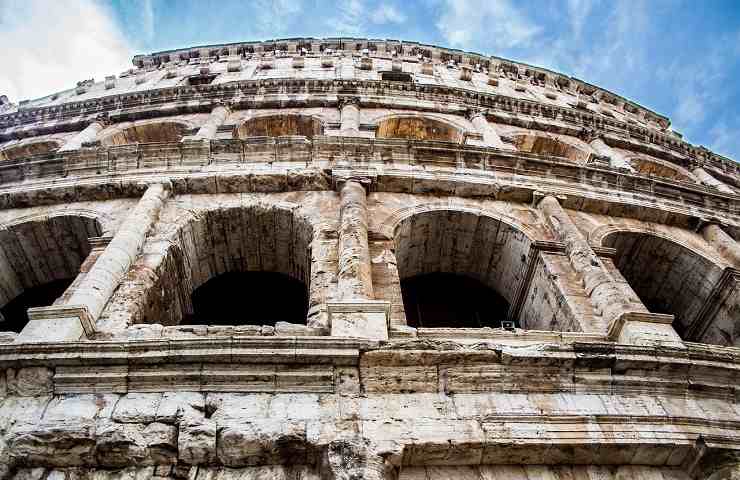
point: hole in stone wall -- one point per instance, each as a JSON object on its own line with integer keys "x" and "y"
{"x": 670, "y": 278}
{"x": 416, "y": 128}
{"x": 280, "y": 125}
{"x": 458, "y": 269}
{"x": 14, "y": 316}
{"x": 256, "y": 298}
{"x": 447, "y": 300}
{"x": 28, "y": 150}
{"x": 159, "y": 132}
{"x": 548, "y": 146}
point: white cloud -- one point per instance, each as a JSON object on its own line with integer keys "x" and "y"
{"x": 147, "y": 18}
{"x": 386, "y": 13}
{"x": 273, "y": 17}
{"x": 48, "y": 46}
{"x": 578, "y": 11}
{"x": 499, "y": 24}
{"x": 350, "y": 18}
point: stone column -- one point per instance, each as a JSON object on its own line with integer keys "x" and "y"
{"x": 704, "y": 177}
{"x": 76, "y": 318}
{"x": 621, "y": 319}
{"x": 722, "y": 242}
{"x": 87, "y": 135}
{"x": 490, "y": 137}
{"x": 350, "y": 116}
{"x": 357, "y": 314}
{"x": 355, "y": 275}
{"x": 208, "y": 130}
{"x": 616, "y": 160}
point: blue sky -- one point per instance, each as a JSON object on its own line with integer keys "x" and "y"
{"x": 680, "y": 58}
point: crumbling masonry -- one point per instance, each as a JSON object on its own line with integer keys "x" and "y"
{"x": 359, "y": 259}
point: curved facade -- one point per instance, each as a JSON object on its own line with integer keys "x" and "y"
{"x": 349, "y": 258}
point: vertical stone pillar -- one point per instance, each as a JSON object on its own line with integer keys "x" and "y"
{"x": 350, "y": 116}
{"x": 490, "y": 137}
{"x": 76, "y": 318}
{"x": 616, "y": 160}
{"x": 622, "y": 320}
{"x": 704, "y": 177}
{"x": 88, "y": 134}
{"x": 355, "y": 275}
{"x": 357, "y": 314}
{"x": 722, "y": 242}
{"x": 208, "y": 130}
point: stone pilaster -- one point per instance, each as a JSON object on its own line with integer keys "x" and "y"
{"x": 357, "y": 314}
{"x": 87, "y": 135}
{"x": 208, "y": 130}
{"x": 704, "y": 177}
{"x": 76, "y": 318}
{"x": 624, "y": 320}
{"x": 722, "y": 242}
{"x": 350, "y": 116}
{"x": 490, "y": 137}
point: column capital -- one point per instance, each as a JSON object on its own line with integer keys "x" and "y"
{"x": 539, "y": 195}
{"x": 472, "y": 113}
{"x": 103, "y": 119}
{"x": 366, "y": 179}
{"x": 588, "y": 135}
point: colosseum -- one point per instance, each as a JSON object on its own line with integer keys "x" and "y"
{"x": 353, "y": 259}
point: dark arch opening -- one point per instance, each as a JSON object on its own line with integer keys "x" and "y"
{"x": 255, "y": 298}
{"x": 14, "y": 314}
{"x": 418, "y": 128}
{"x": 448, "y": 300}
{"x": 670, "y": 278}
{"x": 279, "y": 126}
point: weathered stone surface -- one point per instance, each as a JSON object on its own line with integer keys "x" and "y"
{"x": 197, "y": 442}
{"x": 262, "y": 442}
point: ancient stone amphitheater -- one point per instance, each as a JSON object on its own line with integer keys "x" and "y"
{"x": 360, "y": 259}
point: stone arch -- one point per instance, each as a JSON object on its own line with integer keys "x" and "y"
{"x": 280, "y": 124}
{"x": 271, "y": 238}
{"x": 449, "y": 245}
{"x": 39, "y": 258}
{"x": 551, "y": 146}
{"x": 660, "y": 168}
{"x": 146, "y": 131}
{"x": 29, "y": 149}
{"x": 419, "y": 127}
{"x": 673, "y": 277}
{"x": 105, "y": 222}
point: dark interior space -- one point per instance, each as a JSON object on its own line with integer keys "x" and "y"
{"x": 438, "y": 300}
{"x": 249, "y": 298}
{"x": 14, "y": 312}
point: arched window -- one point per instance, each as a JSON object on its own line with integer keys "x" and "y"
{"x": 549, "y": 146}
{"x": 236, "y": 266}
{"x": 39, "y": 260}
{"x": 670, "y": 278}
{"x": 458, "y": 269}
{"x": 662, "y": 169}
{"x": 280, "y": 125}
{"x": 23, "y": 150}
{"x": 419, "y": 128}
{"x": 153, "y": 132}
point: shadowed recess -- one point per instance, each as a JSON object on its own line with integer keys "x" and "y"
{"x": 445, "y": 300}
{"x": 670, "y": 278}
{"x": 159, "y": 132}
{"x": 280, "y": 125}
{"x": 38, "y": 256}
{"x": 28, "y": 150}
{"x": 659, "y": 169}
{"x": 255, "y": 298}
{"x": 548, "y": 146}
{"x": 14, "y": 316}
{"x": 416, "y": 128}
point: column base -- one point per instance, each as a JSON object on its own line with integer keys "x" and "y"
{"x": 360, "y": 319}
{"x": 644, "y": 328}
{"x": 57, "y": 323}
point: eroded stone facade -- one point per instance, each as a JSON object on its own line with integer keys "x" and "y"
{"x": 353, "y": 166}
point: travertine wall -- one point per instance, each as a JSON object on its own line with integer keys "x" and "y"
{"x": 352, "y": 165}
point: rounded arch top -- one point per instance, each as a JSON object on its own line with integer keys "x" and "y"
{"x": 146, "y": 131}
{"x": 660, "y": 168}
{"x": 29, "y": 149}
{"x": 548, "y": 145}
{"x": 419, "y": 127}
{"x": 280, "y": 124}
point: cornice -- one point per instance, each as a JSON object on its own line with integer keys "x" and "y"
{"x": 505, "y": 109}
